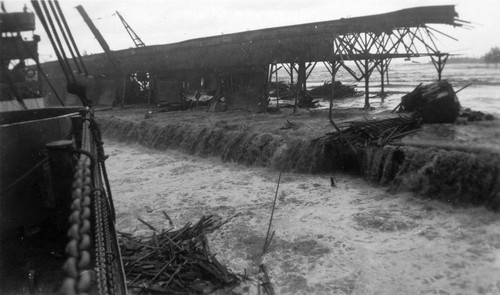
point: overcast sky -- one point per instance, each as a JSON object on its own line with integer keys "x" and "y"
{"x": 168, "y": 21}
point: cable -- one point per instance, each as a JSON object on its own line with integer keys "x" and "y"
{"x": 61, "y": 48}
{"x": 61, "y": 29}
{"x": 63, "y": 18}
{"x": 40, "y": 15}
{"x": 26, "y": 174}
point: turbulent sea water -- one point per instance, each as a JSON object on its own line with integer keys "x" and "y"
{"x": 353, "y": 238}
{"x": 483, "y": 93}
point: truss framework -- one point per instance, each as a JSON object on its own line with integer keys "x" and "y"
{"x": 361, "y": 53}
{"x": 369, "y": 51}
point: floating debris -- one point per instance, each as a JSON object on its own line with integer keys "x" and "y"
{"x": 265, "y": 281}
{"x": 175, "y": 262}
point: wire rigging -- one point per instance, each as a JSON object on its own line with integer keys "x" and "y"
{"x": 46, "y": 18}
{"x": 63, "y": 18}
{"x": 63, "y": 33}
{"x": 41, "y": 17}
{"x": 58, "y": 40}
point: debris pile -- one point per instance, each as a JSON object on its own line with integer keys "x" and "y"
{"x": 325, "y": 90}
{"x": 361, "y": 134}
{"x": 473, "y": 116}
{"x": 287, "y": 91}
{"x": 434, "y": 103}
{"x": 341, "y": 90}
{"x": 175, "y": 261}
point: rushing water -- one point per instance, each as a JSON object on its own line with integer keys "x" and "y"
{"x": 353, "y": 238}
{"x": 483, "y": 94}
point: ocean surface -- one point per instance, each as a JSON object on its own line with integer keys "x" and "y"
{"x": 481, "y": 82}
{"x": 353, "y": 238}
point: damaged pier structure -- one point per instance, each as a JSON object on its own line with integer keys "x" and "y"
{"x": 237, "y": 68}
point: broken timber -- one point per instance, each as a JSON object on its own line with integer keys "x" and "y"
{"x": 175, "y": 261}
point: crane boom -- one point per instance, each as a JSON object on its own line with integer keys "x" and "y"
{"x": 137, "y": 41}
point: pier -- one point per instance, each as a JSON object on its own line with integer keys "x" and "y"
{"x": 240, "y": 66}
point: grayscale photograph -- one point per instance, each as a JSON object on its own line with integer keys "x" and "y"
{"x": 250, "y": 147}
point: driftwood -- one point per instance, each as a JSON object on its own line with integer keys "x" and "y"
{"x": 265, "y": 281}
{"x": 268, "y": 239}
{"x": 175, "y": 262}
